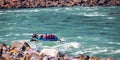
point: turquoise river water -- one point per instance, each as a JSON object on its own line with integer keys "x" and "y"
{"x": 83, "y": 30}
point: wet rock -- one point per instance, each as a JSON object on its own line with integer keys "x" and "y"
{"x": 68, "y": 57}
{"x": 101, "y": 2}
{"x": 2, "y": 58}
{"x": 20, "y": 45}
{"x": 7, "y": 56}
{"x": 28, "y": 56}
{"x": 2, "y": 45}
{"x": 94, "y": 58}
{"x": 92, "y": 3}
{"x": 35, "y": 57}
{"x": 83, "y": 57}
{"x": 112, "y": 2}
{"x": 50, "y": 52}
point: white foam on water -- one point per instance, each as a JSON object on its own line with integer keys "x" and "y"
{"x": 89, "y": 14}
{"x": 62, "y": 39}
{"x": 93, "y": 14}
{"x": 56, "y": 9}
{"x": 1, "y": 22}
{"x": 17, "y": 34}
{"x": 79, "y": 52}
{"x": 34, "y": 10}
{"x": 18, "y": 27}
{"x": 9, "y": 28}
{"x": 99, "y": 51}
{"x": 67, "y": 46}
{"x": 27, "y": 34}
{"x": 92, "y": 50}
{"x": 68, "y": 8}
{"x": 17, "y": 15}
{"x": 113, "y": 52}
{"x": 90, "y": 8}
{"x": 117, "y": 43}
{"x": 117, "y": 51}
{"x": 10, "y": 34}
{"x": 2, "y": 13}
{"x": 79, "y": 37}
{"x": 110, "y": 18}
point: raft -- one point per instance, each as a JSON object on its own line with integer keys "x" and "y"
{"x": 45, "y": 39}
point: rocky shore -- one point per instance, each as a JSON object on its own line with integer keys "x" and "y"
{"x": 21, "y": 50}
{"x": 55, "y": 3}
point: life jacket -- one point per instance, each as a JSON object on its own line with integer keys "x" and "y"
{"x": 41, "y": 36}
{"x": 33, "y": 36}
{"x": 45, "y": 36}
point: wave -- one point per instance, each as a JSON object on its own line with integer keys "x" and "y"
{"x": 13, "y": 34}
{"x": 92, "y": 50}
{"x": 89, "y": 14}
{"x": 94, "y": 14}
{"x": 35, "y": 10}
{"x": 27, "y": 34}
{"x": 12, "y": 27}
{"x": 89, "y": 8}
{"x": 110, "y": 18}
{"x": 61, "y": 46}
{"x": 3, "y": 29}
{"x": 2, "y": 13}
{"x": 116, "y": 43}
{"x": 30, "y": 10}
{"x": 113, "y": 52}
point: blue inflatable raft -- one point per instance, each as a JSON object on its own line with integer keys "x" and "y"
{"x": 45, "y": 39}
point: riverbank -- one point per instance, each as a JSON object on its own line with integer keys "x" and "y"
{"x": 55, "y": 3}
{"x": 21, "y": 50}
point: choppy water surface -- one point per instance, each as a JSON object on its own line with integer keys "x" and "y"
{"x": 83, "y": 30}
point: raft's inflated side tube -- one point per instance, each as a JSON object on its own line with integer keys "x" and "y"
{"x": 49, "y": 39}
{"x": 43, "y": 39}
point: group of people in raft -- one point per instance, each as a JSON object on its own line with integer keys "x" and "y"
{"x": 46, "y": 36}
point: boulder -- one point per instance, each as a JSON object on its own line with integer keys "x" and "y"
{"x": 83, "y": 57}
{"x": 35, "y": 57}
{"x": 92, "y": 2}
{"x": 3, "y": 45}
{"x": 108, "y": 58}
{"x": 94, "y": 58}
{"x": 68, "y": 57}
{"x": 50, "y": 52}
{"x": 28, "y": 56}
{"x": 112, "y": 2}
{"x": 118, "y": 2}
{"x": 2, "y": 3}
{"x": 2, "y": 58}
{"x": 76, "y": 1}
{"x": 20, "y": 45}
{"x": 101, "y": 2}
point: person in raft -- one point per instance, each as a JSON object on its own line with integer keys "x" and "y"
{"x": 49, "y": 36}
{"x": 41, "y": 37}
{"x": 35, "y": 35}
